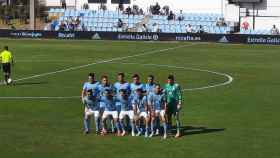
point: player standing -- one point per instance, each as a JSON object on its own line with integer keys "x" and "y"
{"x": 140, "y": 108}
{"x": 108, "y": 101}
{"x": 157, "y": 104}
{"x": 121, "y": 84}
{"x": 150, "y": 85}
{"x": 6, "y": 60}
{"x": 136, "y": 84}
{"x": 126, "y": 110}
{"x": 173, "y": 95}
{"x": 92, "y": 109}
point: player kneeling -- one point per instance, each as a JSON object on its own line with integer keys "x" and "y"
{"x": 109, "y": 103}
{"x": 125, "y": 110}
{"x": 91, "y": 109}
{"x": 140, "y": 108}
{"x": 157, "y": 104}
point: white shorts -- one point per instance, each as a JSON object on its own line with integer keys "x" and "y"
{"x": 143, "y": 114}
{"x": 114, "y": 114}
{"x": 130, "y": 114}
{"x": 91, "y": 112}
{"x": 160, "y": 112}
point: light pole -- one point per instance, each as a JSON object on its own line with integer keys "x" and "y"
{"x": 32, "y": 20}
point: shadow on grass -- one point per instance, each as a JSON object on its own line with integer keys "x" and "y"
{"x": 190, "y": 130}
{"x": 29, "y": 83}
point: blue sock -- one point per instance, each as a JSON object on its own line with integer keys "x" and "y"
{"x": 158, "y": 123}
{"x": 117, "y": 126}
{"x": 137, "y": 128}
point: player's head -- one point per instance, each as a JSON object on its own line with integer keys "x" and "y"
{"x": 170, "y": 79}
{"x": 150, "y": 79}
{"x": 104, "y": 80}
{"x": 121, "y": 77}
{"x": 136, "y": 78}
{"x": 89, "y": 92}
{"x": 157, "y": 88}
{"x": 91, "y": 77}
{"x": 6, "y": 48}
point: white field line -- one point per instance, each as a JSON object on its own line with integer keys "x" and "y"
{"x": 230, "y": 79}
{"x": 100, "y": 62}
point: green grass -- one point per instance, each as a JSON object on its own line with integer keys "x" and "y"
{"x": 241, "y": 119}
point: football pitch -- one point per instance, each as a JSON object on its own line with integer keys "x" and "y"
{"x": 230, "y": 107}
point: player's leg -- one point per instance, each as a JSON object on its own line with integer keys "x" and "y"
{"x": 163, "y": 120}
{"x": 115, "y": 121}
{"x": 87, "y": 115}
{"x": 152, "y": 123}
{"x": 147, "y": 120}
{"x": 104, "y": 118}
{"x": 97, "y": 121}
{"x": 131, "y": 119}
{"x": 157, "y": 121}
{"x": 177, "y": 116}
{"x": 121, "y": 120}
{"x": 137, "y": 125}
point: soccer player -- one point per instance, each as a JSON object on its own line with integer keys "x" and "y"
{"x": 173, "y": 95}
{"x": 136, "y": 84}
{"x": 91, "y": 84}
{"x": 108, "y": 101}
{"x": 6, "y": 60}
{"x": 92, "y": 109}
{"x": 126, "y": 110}
{"x": 105, "y": 85}
{"x": 157, "y": 104}
{"x": 140, "y": 108}
{"x": 121, "y": 84}
{"x": 150, "y": 86}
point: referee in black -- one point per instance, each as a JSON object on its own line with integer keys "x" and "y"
{"x": 7, "y": 60}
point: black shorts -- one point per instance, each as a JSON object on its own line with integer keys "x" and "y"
{"x": 6, "y": 67}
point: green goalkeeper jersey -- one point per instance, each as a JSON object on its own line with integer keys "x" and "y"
{"x": 173, "y": 93}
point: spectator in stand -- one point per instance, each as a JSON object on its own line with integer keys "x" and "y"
{"x": 63, "y": 4}
{"x": 181, "y": 16}
{"x": 274, "y": 30}
{"x": 120, "y": 23}
{"x": 200, "y": 29}
{"x": 144, "y": 28}
{"x": 62, "y": 26}
{"x": 221, "y": 22}
{"x": 189, "y": 28}
{"x": 128, "y": 10}
{"x": 156, "y": 27}
{"x": 141, "y": 12}
{"x": 156, "y": 9}
{"x": 165, "y": 10}
{"x": 171, "y": 16}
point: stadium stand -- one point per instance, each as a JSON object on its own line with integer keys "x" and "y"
{"x": 100, "y": 20}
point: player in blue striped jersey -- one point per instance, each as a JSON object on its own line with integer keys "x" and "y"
{"x": 92, "y": 109}
{"x": 108, "y": 101}
{"x": 121, "y": 84}
{"x": 136, "y": 84}
{"x": 104, "y": 85}
{"x": 150, "y": 85}
{"x": 157, "y": 105}
{"x": 91, "y": 84}
{"x": 124, "y": 100}
{"x": 140, "y": 107}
